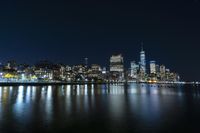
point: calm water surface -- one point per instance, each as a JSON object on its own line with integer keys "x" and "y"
{"x": 118, "y": 108}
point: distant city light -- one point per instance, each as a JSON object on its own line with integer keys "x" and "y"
{"x": 46, "y": 72}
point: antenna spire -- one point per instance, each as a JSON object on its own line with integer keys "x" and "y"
{"x": 86, "y": 61}
{"x": 142, "y": 48}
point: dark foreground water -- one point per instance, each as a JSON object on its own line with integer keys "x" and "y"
{"x": 100, "y": 108}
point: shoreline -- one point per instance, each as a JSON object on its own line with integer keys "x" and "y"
{"x": 88, "y": 83}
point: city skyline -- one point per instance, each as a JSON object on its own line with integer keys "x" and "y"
{"x": 47, "y": 71}
{"x": 70, "y": 31}
{"x": 99, "y": 66}
{"x": 141, "y": 57}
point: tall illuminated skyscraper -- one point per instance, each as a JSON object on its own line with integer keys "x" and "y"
{"x": 116, "y": 63}
{"x": 134, "y": 69}
{"x": 152, "y": 67}
{"x": 142, "y": 61}
{"x": 117, "y": 66}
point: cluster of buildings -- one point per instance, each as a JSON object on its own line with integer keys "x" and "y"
{"x": 45, "y": 71}
{"x": 140, "y": 72}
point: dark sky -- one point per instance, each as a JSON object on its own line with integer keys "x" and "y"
{"x": 64, "y": 31}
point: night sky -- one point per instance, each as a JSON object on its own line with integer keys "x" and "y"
{"x": 67, "y": 32}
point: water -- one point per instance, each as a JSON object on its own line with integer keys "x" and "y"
{"x": 118, "y": 108}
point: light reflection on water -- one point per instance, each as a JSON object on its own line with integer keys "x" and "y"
{"x": 43, "y": 107}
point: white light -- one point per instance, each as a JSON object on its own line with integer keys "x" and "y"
{"x": 49, "y": 92}
{"x": 86, "y": 90}
{"x": 68, "y": 92}
{"x": 78, "y": 90}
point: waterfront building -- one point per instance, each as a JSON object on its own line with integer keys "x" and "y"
{"x": 96, "y": 67}
{"x": 79, "y": 69}
{"x": 43, "y": 74}
{"x": 95, "y": 73}
{"x": 134, "y": 70}
{"x": 116, "y": 63}
{"x": 162, "y": 73}
{"x": 104, "y": 70}
{"x": 62, "y": 72}
{"x": 153, "y": 73}
{"x": 68, "y": 68}
{"x": 142, "y": 70}
{"x": 168, "y": 75}
{"x": 142, "y": 61}
{"x": 117, "y": 67}
{"x": 152, "y": 67}
{"x": 157, "y": 69}
{"x": 162, "y": 69}
{"x": 11, "y": 65}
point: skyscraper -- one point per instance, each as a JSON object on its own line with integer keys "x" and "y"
{"x": 152, "y": 67}
{"x": 157, "y": 68}
{"x": 117, "y": 67}
{"x": 142, "y": 61}
{"x": 162, "y": 72}
{"x": 162, "y": 69}
{"x": 116, "y": 63}
{"x": 134, "y": 69}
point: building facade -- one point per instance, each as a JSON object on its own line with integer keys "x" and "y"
{"x": 152, "y": 67}
{"x": 142, "y": 62}
{"x": 134, "y": 70}
{"x": 117, "y": 67}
